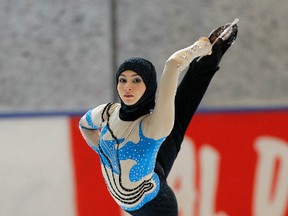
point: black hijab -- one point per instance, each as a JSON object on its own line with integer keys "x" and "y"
{"x": 146, "y": 103}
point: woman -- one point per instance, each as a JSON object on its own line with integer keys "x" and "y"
{"x": 139, "y": 139}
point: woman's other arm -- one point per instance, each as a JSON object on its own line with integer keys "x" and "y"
{"x": 90, "y": 124}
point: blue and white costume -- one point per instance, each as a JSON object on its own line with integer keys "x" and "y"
{"x": 127, "y": 163}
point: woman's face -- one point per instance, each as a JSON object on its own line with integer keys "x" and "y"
{"x": 130, "y": 87}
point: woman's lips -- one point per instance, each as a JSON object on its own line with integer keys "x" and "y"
{"x": 128, "y": 96}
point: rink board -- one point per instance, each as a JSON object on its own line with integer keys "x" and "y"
{"x": 230, "y": 164}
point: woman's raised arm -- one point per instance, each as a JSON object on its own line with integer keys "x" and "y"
{"x": 162, "y": 117}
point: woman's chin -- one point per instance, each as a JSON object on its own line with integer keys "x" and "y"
{"x": 129, "y": 102}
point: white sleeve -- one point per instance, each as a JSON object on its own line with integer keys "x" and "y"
{"x": 162, "y": 117}
{"x": 92, "y": 119}
{"x": 90, "y": 124}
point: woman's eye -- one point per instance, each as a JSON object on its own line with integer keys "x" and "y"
{"x": 122, "y": 80}
{"x": 137, "y": 80}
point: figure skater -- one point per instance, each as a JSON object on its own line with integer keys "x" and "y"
{"x": 138, "y": 139}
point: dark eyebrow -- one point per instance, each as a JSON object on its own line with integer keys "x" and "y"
{"x": 132, "y": 75}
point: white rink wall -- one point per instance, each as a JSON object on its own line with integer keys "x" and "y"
{"x": 36, "y": 167}
{"x": 230, "y": 163}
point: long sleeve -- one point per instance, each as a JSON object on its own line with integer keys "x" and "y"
{"x": 178, "y": 62}
{"x": 90, "y": 124}
{"x": 188, "y": 97}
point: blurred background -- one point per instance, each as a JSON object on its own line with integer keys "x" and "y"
{"x": 61, "y": 55}
{"x": 58, "y": 59}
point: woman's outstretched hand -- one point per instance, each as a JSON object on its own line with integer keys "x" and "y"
{"x": 182, "y": 58}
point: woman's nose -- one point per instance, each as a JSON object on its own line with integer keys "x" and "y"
{"x": 127, "y": 87}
